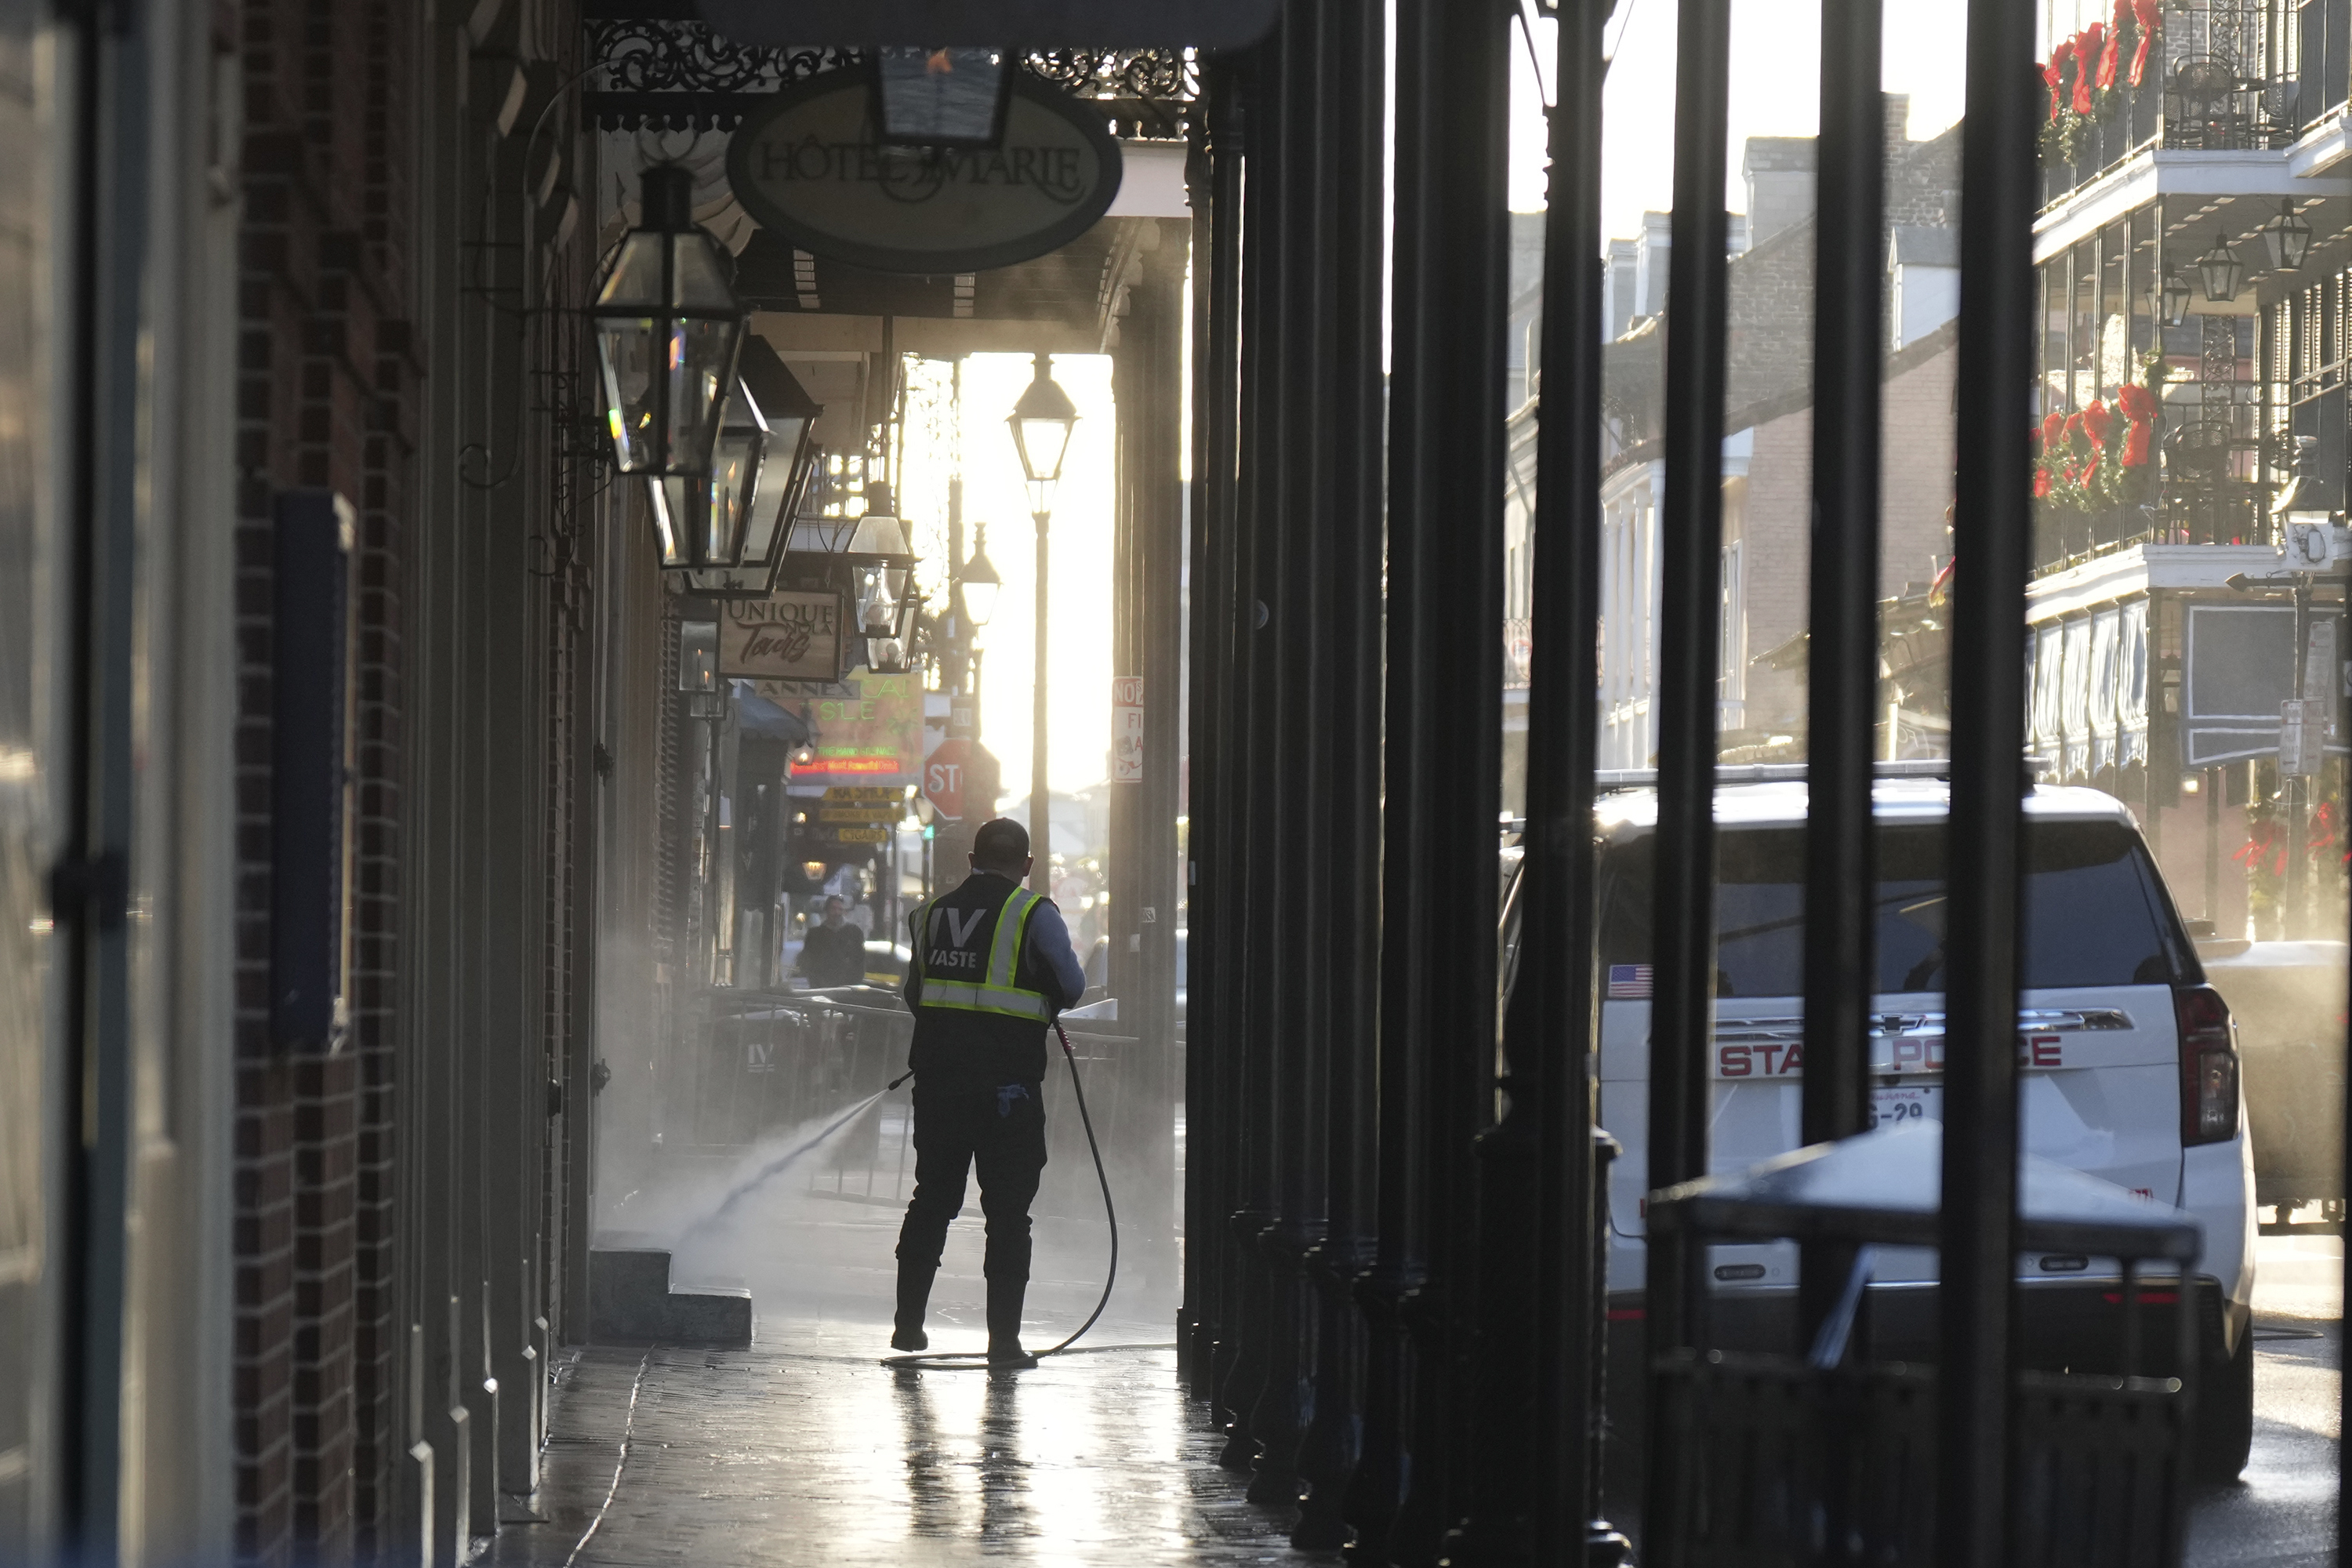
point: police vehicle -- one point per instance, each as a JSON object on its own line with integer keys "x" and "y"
{"x": 2127, "y": 1057}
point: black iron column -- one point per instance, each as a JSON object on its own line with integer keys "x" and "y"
{"x": 1682, "y": 1017}
{"x": 1213, "y": 176}
{"x": 1302, "y": 465}
{"x": 1444, "y": 737}
{"x": 1147, "y": 383}
{"x": 1841, "y": 924}
{"x": 1536, "y": 1384}
{"x": 1994, "y": 513}
{"x": 1259, "y": 883}
{"x": 1347, "y": 733}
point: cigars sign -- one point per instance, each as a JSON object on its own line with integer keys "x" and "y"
{"x": 810, "y": 168}
{"x": 789, "y": 636}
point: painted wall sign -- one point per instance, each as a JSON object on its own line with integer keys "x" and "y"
{"x": 808, "y": 166}
{"x": 787, "y": 636}
{"x": 1071, "y": 24}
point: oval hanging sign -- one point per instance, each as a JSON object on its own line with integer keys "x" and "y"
{"x": 810, "y": 167}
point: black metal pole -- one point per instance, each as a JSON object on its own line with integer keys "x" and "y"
{"x": 1450, "y": 269}
{"x": 1301, "y": 465}
{"x": 1529, "y": 1501}
{"x": 1259, "y": 878}
{"x": 1348, "y": 733}
{"x": 1691, "y": 576}
{"x": 1563, "y": 714}
{"x": 1994, "y": 515}
{"x": 1215, "y": 173}
{"x": 1841, "y": 924}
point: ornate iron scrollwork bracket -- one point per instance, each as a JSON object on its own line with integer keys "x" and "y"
{"x": 677, "y": 75}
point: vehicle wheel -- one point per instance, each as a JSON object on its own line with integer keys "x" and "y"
{"x": 2225, "y": 1417}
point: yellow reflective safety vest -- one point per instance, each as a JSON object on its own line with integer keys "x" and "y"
{"x": 968, "y": 952}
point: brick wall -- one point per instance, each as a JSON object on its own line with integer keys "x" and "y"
{"x": 323, "y": 381}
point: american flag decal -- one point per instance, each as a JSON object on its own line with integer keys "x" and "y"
{"x": 1629, "y": 982}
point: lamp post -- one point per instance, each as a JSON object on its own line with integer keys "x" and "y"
{"x": 1041, "y": 423}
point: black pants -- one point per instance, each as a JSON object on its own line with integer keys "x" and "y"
{"x": 1002, "y": 1130}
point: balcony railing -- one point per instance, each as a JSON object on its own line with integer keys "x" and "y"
{"x": 2218, "y": 77}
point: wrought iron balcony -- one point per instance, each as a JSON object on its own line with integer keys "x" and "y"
{"x": 2214, "y": 76}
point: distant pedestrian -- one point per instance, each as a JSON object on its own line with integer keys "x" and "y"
{"x": 992, "y": 966}
{"x": 834, "y": 954}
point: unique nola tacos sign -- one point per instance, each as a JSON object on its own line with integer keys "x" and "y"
{"x": 809, "y": 167}
{"x": 787, "y": 636}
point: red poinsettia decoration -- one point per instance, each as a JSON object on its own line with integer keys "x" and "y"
{"x": 2040, "y": 484}
{"x": 2089, "y": 44}
{"x": 2138, "y": 405}
{"x": 2056, "y": 75}
{"x": 2098, "y": 423}
{"x": 2145, "y": 13}
{"x": 2111, "y": 58}
{"x": 2053, "y": 428}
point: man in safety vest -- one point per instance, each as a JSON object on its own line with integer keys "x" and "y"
{"x": 992, "y": 966}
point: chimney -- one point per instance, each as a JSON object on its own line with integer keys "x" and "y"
{"x": 1780, "y": 175}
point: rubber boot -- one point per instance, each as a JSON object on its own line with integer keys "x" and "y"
{"x": 914, "y": 1295}
{"x": 1005, "y": 1298}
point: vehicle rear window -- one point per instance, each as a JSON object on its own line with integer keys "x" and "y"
{"x": 2092, "y": 907}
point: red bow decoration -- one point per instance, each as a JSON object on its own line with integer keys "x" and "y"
{"x": 2088, "y": 43}
{"x": 2138, "y": 405}
{"x": 2054, "y": 74}
{"x": 2145, "y": 13}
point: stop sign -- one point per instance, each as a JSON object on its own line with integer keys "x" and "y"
{"x": 943, "y": 778}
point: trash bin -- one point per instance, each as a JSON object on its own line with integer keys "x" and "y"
{"x": 1831, "y": 1456}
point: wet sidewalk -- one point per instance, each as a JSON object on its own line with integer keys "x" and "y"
{"x": 804, "y": 1450}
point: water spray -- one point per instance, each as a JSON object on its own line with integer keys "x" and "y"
{"x": 776, "y": 1166}
{"x": 958, "y": 1360}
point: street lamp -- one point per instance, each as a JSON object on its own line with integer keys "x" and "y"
{"x": 786, "y": 456}
{"x": 2221, "y": 271}
{"x": 979, "y": 582}
{"x": 2171, "y": 301}
{"x": 1042, "y": 422}
{"x": 668, "y": 331}
{"x": 2288, "y": 238}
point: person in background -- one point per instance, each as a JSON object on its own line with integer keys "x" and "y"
{"x": 992, "y": 967}
{"x": 834, "y": 954}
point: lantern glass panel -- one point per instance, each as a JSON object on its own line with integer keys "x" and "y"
{"x": 786, "y": 476}
{"x": 1042, "y": 443}
{"x": 662, "y": 502}
{"x": 626, "y": 349}
{"x": 701, "y": 364}
{"x": 979, "y": 600}
{"x": 2221, "y": 273}
{"x": 738, "y": 470}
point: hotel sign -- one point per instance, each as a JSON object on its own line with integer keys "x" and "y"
{"x": 808, "y": 167}
{"x": 787, "y": 636}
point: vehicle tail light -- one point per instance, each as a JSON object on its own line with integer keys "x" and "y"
{"x": 2209, "y": 1066}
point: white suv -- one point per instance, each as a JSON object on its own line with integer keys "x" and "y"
{"x": 2128, "y": 1059}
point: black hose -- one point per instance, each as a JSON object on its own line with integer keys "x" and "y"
{"x": 956, "y": 1361}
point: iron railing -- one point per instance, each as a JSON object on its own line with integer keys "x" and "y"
{"x": 2220, "y": 75}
